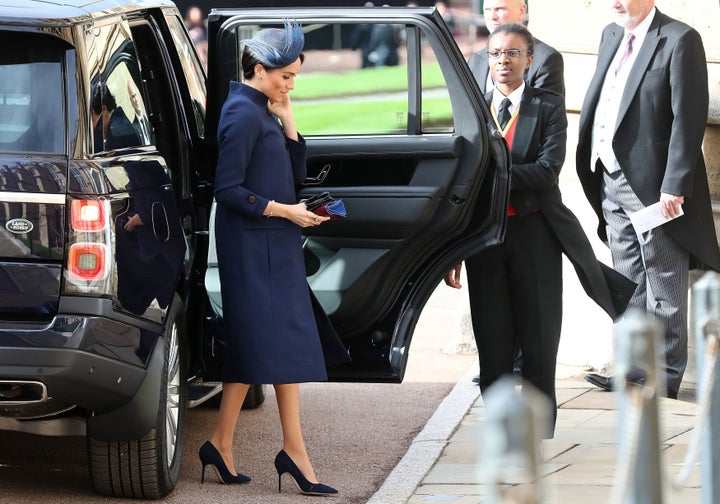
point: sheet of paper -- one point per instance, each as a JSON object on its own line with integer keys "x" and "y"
{"x": 649, "y": 218}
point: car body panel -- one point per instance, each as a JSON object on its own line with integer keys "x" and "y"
{"x": 107, "y": 150}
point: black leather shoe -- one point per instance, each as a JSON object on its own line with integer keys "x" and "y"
{"x": 600, "y": 381}
{"x": 476, "y": 378}
{"x": 607, "y": 382}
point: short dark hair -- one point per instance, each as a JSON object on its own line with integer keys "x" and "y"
{"x": 249, "y": 61}
{"x": 518, "y": 29}
{"x": 108, "y": 100}
{"x": 96, "y": 103}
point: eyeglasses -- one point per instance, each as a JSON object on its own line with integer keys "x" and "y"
{"x": 511, "y": 53}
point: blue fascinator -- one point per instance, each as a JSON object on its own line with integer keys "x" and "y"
{"x": 275, "y": 47}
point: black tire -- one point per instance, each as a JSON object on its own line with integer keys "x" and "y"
{"x": 149, "y": 467}
{"x": 254, "y": 398}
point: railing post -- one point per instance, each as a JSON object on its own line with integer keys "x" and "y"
{"x": 638, "y": 466}
{"x": 706, "y": 311}
{"x": 511, "y": 441}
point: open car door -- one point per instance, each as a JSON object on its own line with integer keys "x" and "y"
{"x": 405, "y": 142}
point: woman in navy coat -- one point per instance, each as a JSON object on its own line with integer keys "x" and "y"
{"x": 271, "y": 326}
{"x": 515, "y": 288}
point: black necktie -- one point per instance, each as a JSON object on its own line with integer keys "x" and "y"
{"x": 504, "y": 112}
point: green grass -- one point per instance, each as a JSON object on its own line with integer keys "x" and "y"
{"x": 359, "y": 82}
{"x": 370, "y": 116}
{"x": 348, "y": 102}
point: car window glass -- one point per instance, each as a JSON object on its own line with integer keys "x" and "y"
{"x": 119, "y": 105}
{"x": 355, "y": 81}
{"x": 194, "y": 73}
{"x": 436, "y": 116}
{"x": 31, "y": 94}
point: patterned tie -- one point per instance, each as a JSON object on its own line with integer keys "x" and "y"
{"x": 627, "y": 53}
{"x": 504, "y": 112}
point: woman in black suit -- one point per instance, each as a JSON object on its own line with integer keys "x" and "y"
{"x": 515, "y": 289}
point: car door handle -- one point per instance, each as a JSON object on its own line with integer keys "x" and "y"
{"x": 320, "y": 177}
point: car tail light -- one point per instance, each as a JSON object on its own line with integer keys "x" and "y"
{"x": 87, "y": 215}
{"x": 89, "y": 253}
{"x": 87, "y": 261}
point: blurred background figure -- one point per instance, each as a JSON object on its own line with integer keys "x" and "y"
{"x": 195, "y": 24}
{"x": 117, "y": 129}
{"x": 140, "y": 123}
{"x": 443, "y": 8}
{"x": 360, "y": 39}
{"x": 383, "y": 45}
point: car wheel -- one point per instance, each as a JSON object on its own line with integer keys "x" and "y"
{"x": 149, "y": 467}
{"x": 254, "y": 398}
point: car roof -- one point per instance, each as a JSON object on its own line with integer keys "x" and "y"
{"x": 51, "y": 11}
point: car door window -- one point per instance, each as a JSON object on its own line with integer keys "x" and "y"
{"x": 355, "y": 81}
{"x": 31, "y": 93}
{"x": 119, "y": 106}
{"x": 192, "y": 70}
{"x": 413, "y": 164}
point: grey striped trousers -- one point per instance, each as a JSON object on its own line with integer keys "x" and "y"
{"x": 657, "y": 264}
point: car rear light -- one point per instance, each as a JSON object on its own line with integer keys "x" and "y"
{"x": 88, "y": 269}
{"x": 88, "y": 215}
{"x": 87, "y": 261}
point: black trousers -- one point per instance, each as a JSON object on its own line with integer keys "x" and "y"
{"x": 515, "y": 292}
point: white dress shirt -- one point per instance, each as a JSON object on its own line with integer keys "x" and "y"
{"x": 608, "y": 106}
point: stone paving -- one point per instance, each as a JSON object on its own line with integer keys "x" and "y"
{"x": 579, "y": 463}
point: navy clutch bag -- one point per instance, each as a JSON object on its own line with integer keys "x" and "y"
{"x": 327, "y": 206}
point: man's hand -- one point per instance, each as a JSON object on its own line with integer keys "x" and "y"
{"x": 670, "y": 204}
{"x": 452, "y": 278}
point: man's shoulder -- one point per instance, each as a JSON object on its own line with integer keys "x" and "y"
{"x": 479, "y": 55}
{"x": 547, "y": 95}
{"x": 543, "y": 48}
{"x": 670, "y": 26}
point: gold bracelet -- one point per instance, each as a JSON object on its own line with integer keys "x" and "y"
{"x": 272, "y": 205}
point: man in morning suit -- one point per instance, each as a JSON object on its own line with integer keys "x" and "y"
{"x": 640, "y": 142}
{"x": 546, "y": 70}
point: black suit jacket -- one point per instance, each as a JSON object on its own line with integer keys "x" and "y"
{"x": 538, "y": 153}
{"x": 659, "y": 131}
{"x": 546, "y": 70}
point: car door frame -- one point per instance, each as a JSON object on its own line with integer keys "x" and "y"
{"x": 476, "y": 226}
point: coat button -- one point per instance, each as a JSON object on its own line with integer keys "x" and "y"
{"x": 251, "y": 199}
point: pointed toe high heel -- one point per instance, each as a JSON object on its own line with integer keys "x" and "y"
{"x": 284, "y": 464}
{"x": 209, "y": 456}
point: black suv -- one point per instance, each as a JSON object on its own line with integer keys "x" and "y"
{"x": 110, "y": 320}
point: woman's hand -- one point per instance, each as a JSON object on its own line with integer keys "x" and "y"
{"x": 298, "y": 214}
{"x": 283, "y": 110}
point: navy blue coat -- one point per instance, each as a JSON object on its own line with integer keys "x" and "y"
{"x": 272, "y": 334}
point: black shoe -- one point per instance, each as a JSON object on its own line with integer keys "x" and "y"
{"x": 476, "y": 378}
{"x": 284, "y": 464}
{"x": 607, "y": 382}
{"x": 600, "y": 381}
{"x": 209, "y": 456}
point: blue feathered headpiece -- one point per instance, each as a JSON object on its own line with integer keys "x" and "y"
{"x": 275, "y": 47}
